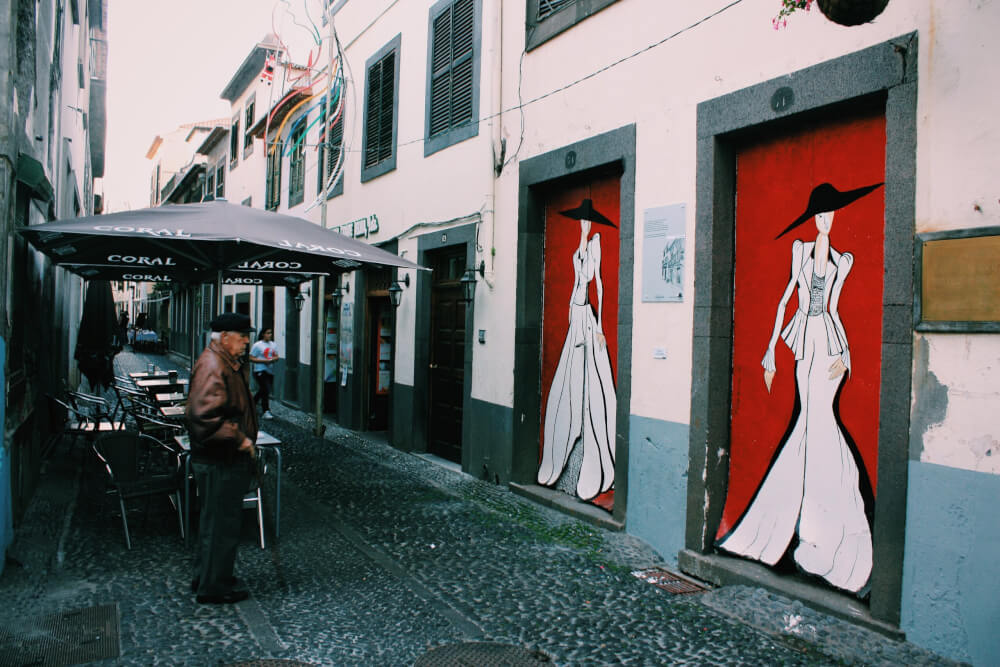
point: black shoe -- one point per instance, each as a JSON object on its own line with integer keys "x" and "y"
{"x": 234, "y": 582}
{"x": 225, "y": 598}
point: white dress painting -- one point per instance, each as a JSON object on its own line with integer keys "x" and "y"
{"x": 812, "y": 489}
{"x": 581, "y": 409}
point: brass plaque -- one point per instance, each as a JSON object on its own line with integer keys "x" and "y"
{"x": 961, "y": 280}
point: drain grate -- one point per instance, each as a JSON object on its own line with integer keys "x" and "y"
{"x": 669, "y": 581}
{"x": 271, "y": 663}
{"x": 482, "y": 654}
{"x": 66, "y": 638}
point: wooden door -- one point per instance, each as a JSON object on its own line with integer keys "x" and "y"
{"x": 447, "y": 358}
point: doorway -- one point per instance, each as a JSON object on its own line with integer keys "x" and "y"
{"x": 291, "y": 387}
{"x": 447, "y": 353}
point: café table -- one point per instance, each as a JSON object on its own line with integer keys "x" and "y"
{"x": 266, "y": 444}
{"x": 170, "y": 398}
{"x": 163, "y": 385}
{"x": 146, "y": 375}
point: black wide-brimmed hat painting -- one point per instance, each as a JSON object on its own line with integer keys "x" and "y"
{"x": 586, "y": 211}
{"x": 825, "y": 197}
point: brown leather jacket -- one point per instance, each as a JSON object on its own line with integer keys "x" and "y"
{"x": 220, "y": 410}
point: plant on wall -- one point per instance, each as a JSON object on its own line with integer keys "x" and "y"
{"x": 789, "y": 7}
{"x": 844, "y": 12}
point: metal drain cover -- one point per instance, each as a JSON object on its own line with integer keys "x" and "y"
{"x": 271, "y": 663}
{"x": 482, "y": 654}
{"x": 66, "y": 638}
{"x": 669, "y": 581}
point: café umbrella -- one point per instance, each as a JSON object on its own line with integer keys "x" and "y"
{"x": 200, "y": 240}
{"x": 205, "y": 242}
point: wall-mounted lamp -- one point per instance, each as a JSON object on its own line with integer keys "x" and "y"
{"x": 336, "y": 296}
{"x": 300, "y": 298}
{"x": 469, "y": 281}
{"x": 406, "y": 279}
{"x": 469, "y": 285}
{"x": 395, "y": 294}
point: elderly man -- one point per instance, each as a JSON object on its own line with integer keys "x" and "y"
{"x": 222, "y": 423}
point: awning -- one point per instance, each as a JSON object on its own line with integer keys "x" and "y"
{"x": 32, "y": 174}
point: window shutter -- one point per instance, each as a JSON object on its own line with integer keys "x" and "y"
{"x": 378, "y": 131}
{"x": 547, "y": 8}
{"x": 452, "y": 79}
{"x": 372, "y": 115}
{"x": 387, "y": 102}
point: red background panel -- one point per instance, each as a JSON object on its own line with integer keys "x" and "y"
{"x": 774, "y": 178}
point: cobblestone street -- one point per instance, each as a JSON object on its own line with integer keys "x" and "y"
{"x": 383, "y": 556}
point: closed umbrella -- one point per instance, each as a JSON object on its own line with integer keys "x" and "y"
{"x": 97, "y": 341}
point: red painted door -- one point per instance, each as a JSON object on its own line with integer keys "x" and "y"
{"x": 793, "y": 444}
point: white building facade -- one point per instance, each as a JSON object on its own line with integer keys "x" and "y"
{"x": 632, "y": 369}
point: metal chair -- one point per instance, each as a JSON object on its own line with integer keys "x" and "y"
{"x": 136, "y": 466}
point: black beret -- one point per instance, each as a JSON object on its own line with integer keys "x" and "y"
{"x": 231, "y": 322}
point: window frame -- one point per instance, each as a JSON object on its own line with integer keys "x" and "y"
{"x": 220, "y": 180}
{"x": 537, "y": 32}
{"x": 389, "y": 163}
{"x": 297, "y": 167}
{"x": 321, "y": 155}
{"x": 470, "y": 129}
{"x": 249, "y": 109}
{"x": 208, "y": 193}
{"x": 234, "y": 141}
{"x": 272, "y": 176}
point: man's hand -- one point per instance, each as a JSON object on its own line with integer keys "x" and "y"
{"x": 247, "y": 446}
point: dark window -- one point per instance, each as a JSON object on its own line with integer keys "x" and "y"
{"x": 548, "y": 18}
{"x": 453, "y": 73}
{"x": 248, "y": 121}
{"x": 272, "y": 194}
{"x": 209, "y": 194}
{"x": 220, "y": 180}
{"x": 335, "y": 143}
{"x": 234, "y": 142}
{"x": 297, "y": 166}
{"x": 381, "y": 90}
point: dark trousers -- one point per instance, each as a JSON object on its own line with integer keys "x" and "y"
{"x": 265, "y": 381}
{"x": 221, "y": 488}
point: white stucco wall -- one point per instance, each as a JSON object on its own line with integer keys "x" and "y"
{"x": 658, "y": 90}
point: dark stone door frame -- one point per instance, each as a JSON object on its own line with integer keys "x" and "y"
{"x": 605, "y": 154}
{"x": 882, "y": 74}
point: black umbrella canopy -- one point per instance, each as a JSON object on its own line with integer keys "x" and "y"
{"x": 197, "y": 240}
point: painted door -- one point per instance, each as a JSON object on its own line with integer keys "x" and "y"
{"x": 807, "y": 321}
{"x": 580, "y": 341}
{"x": 447, "y": 364}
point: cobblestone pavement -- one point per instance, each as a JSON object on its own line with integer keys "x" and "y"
{"x": 384, "y": 556}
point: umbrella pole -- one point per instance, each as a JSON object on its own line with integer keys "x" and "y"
{"x": 193, "y": 335}
{"x": 319, "y": 344}
{"x": 218, "y": 292}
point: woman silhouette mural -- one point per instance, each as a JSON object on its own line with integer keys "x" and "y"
{"x": 816, "y": 490}
{"x": 578, "y": 450}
